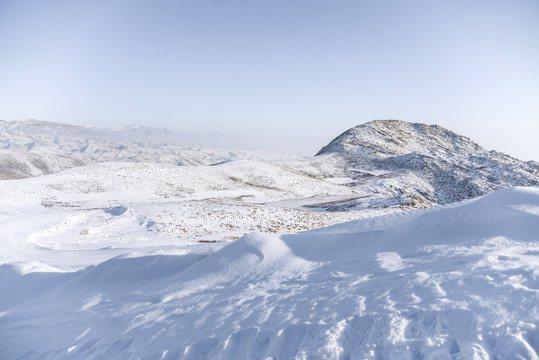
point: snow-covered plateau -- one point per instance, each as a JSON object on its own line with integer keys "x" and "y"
{"x": 361, "y": 252}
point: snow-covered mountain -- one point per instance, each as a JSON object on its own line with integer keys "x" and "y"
{"x": 32, "y": 148}
{"x": 430, "y": 163}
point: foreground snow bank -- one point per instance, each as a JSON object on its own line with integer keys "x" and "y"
{"x": 460, "y": 281}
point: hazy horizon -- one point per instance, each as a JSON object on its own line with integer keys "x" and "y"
{"x": 280, "y": 74}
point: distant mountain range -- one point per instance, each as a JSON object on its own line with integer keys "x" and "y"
{"x": 383, "y": 163}
{"x": 32, "y": 148}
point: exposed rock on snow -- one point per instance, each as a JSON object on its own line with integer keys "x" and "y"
{"x": 439, "y": 166}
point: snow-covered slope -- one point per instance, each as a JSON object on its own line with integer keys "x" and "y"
{"x": 38, "y": 147}
{"x": 435, "y": 164}
{"x": 453, "y": 282}
{"x": 18, "y": 165}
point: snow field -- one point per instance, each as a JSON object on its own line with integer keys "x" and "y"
{"x": 457, "y": 281}
{"x": 95, "y": 212}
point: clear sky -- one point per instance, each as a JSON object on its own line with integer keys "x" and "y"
{"x": 295, "y": 73}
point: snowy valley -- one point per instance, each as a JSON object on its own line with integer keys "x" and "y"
{"x": 396, "y": 240}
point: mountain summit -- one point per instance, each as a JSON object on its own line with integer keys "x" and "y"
{"x": 444, "y": 166}
{"x": 383, "y": 138}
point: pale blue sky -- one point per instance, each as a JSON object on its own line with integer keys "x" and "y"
{"x": 269, "y": 68}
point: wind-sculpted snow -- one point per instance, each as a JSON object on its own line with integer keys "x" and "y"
{"x": 451, "y": 282}
{"x": 455, "y": 167}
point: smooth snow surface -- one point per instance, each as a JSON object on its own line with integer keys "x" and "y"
{"x": 453, "y": 282}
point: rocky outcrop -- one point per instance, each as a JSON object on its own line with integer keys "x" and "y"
{"x": 454, "y": 166}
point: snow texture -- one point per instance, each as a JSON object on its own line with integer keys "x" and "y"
{"x": 456, "y": 281}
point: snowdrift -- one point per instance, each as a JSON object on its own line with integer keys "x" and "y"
{"x": 459, "y": 281}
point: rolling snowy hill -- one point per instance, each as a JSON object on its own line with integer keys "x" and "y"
{"x": 451, "y": 282}
{"x": 164, "y": 205}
